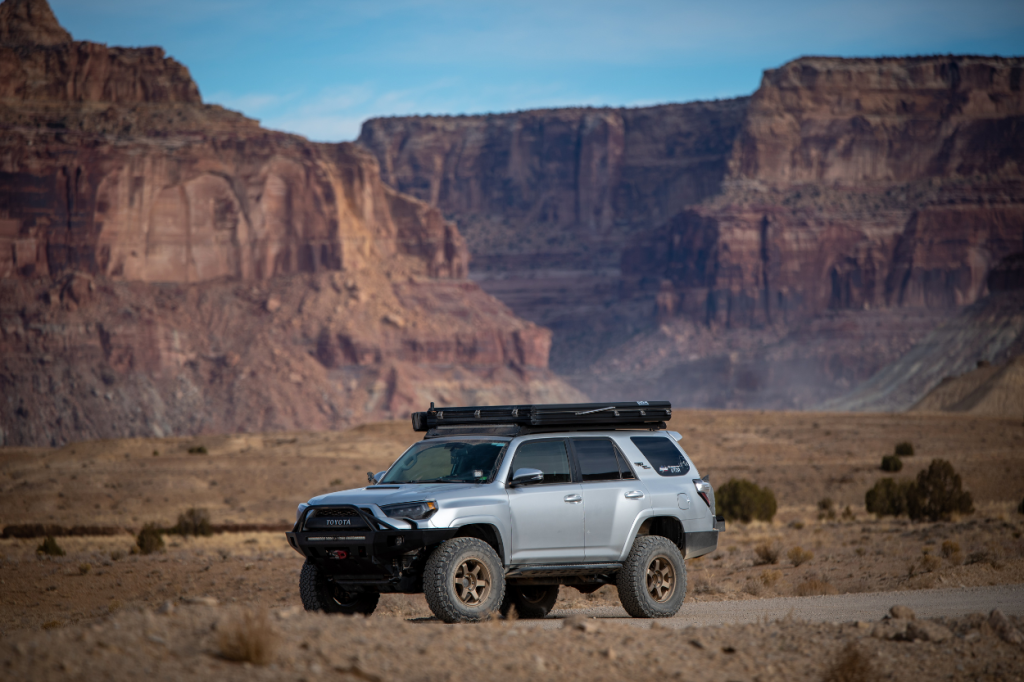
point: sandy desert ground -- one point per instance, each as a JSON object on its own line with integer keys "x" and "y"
{"x": 99, "y": 598}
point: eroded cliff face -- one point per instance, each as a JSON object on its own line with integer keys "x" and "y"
{"x": 146, "y": 239}
{"x": 881, "y": 188}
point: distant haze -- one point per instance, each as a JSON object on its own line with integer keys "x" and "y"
{"x": 319, "y": 68}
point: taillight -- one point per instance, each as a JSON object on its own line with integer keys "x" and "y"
{"x": 703, "y": 488}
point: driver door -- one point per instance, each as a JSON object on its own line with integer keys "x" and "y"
{"x": 547, "y": 517}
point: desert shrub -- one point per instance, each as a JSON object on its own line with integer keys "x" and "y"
{"x": 813, "y": 587}
{"x": 197, "y": 450}
{"x": 887, "y": 498}
{"x": 848, "y": 514}
{"x": 248, "y": 637}
{"x": 84, "y": 568}
{"x": 150, "y": 540}
{"x": 742, "y": 500}
{"x": 938, "y": 493}
{"x": 766, "y": 554}
{"x": 949, "y": 548}
{"x": 754, "y": 587}
{"x": 799, "y": 555}
{"x": 1020, "y": 507}
{"x": 929, "y": 563}
{"x": 892, "y": 463}
{"x": 50, "y": 547}
{"x": 769, "y": 577}
{"x": 193, "y": 521}
{"x": 851, "y": 665}
{"x": 53, "y": 624}
{"x": 904, "y": 449}
{"x": 826, "y": 509}
{"x": 116, "y": 555}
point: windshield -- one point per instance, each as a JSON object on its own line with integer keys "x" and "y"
{"x": 447, "y": 462}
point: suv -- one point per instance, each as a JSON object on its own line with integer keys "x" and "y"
{"x": 499, "y": 506}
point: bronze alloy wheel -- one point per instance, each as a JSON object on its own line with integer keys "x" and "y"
{"x": 472, "y": 582}
{"x": 661, "y": 579}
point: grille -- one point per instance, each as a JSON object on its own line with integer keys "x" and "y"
{"x": 335, "y": 512}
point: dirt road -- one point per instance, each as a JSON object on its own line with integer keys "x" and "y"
{"x": 844, "y": 608}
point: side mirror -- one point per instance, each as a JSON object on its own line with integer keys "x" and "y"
{"x": 374, "y": 478}
{"x": 526, "y": 477}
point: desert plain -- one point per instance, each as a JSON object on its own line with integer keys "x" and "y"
{"x": 103, "y": 611}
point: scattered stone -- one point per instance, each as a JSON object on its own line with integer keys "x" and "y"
{"x": 166, "y": 609}
{"x": 891, "y": 628}
{"x": 900, "y": 611}
{"x": 200, "y": 601}
{"x": 862, "y": 625}
{"x": 926, "y": 631}
{"x": 272, "y": 304}
{"x": 1004, "y": 628}
{"x": 581, "y": 623}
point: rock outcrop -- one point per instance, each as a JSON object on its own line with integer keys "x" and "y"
{"x": 171, "y": 267}
{"x": 841, "y": 186}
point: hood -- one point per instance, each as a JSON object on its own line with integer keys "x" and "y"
{"x": 392, "y": 494}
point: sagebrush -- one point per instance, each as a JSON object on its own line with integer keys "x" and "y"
{"x": 743, "y": 500}
{"x": 150, "y": 539}
{"x": 892, "y": 463}
{"x": 936, "y": 494}
{"x": 248, "y": 637}
{"x": 767, "y": 553}
{"x": 904, "y": 449}
{"x": 50, "y": 547}
{"x": 194, "y": 521}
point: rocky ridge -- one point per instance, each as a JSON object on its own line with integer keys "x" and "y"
{"x": 886, "y": 186}
{"x": 156, "y": 251}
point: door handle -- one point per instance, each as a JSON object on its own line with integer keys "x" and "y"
{"x": 634, "y": 495}
{"x": 573, "y": 498}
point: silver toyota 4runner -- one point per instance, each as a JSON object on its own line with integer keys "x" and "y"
{"x": 497, "y": 507}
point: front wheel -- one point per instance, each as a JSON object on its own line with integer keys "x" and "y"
{"x": 531, "y": 601}
{"x": 320, "y": 594}
{"x": 463, "y": 581}
{"x": 652, "y": 582}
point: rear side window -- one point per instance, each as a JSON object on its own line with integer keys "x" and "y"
{"x": 666, "y": 458}
{"x": 550, "y": 456}
{"x": 599, "y": 460}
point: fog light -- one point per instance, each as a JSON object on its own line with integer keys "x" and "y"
{"x": 396, "y": 540}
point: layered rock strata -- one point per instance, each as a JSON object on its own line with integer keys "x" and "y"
{"x": 841, "y": 186}
{"x": 159, "y": 255}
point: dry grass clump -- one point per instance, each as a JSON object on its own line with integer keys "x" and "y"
{"x": 799, "y": 555}
{"x": 150, "y": 540}
{"x": 53, "y": 624}
{"x": 930, "y": 563}
{"x": 813, "y": 587}
{"x": 194, "y": 521}
{"x": 247, "y": 636}
{"x": 50, "y": 547}
{"x": 851, "y": 665}
{"x": 767, "y": 553}
{"x": 951, "y": 552}
{"x": 84, "y": 568}
{"x": 765, "y": 581}
{"x": 826, "y": 509}
{"x": 702, "y": 584}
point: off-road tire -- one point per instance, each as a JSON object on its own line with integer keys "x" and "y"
{"x": 439, "y": 576}
{"x": 320, "y": 594}
{"x": 531, "y": 601}
{"x": 634, "y": 594}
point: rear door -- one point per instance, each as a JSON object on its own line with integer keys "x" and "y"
{"x": 612, "y": 497}
{"x": 547, "y": 517}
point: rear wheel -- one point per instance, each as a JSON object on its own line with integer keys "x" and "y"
{"x": 531, "y": 601}
{"x": 320, "y": 594}
{"x": 463, "y": 581}
{"x": 652, "y": 582}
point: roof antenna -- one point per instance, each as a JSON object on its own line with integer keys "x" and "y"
{"x": 431, "y": 404}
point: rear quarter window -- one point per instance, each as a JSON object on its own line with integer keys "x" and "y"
{"x": 664, "y": 455}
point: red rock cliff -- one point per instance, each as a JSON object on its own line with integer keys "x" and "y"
{"x": 171, "y": 267}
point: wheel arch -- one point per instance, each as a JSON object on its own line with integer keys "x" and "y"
{"x": 486, "y": 531}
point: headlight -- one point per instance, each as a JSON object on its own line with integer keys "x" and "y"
{"x": 417, "y": 511}
{"x": 298, "y": 512}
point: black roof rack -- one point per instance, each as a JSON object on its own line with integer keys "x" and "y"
{"x": 514, "y": 420}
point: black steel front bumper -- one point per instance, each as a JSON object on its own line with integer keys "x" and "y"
{"x": 379, "y": 553}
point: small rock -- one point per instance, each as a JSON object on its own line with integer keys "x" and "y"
{"x": 900, "y": 611}
{"x": 1004, "y": 628}
{"x": 580, "y": 623}
{"x": 893, "y": 628}
{"x": 201, "y": 601}
{"x": 289, "y": 612}
{"x": 394, "y": 319}
{"x": 610, "y": 654}
{"x": 861, "y": 625}
{"x": 272, "y": 304}
{"x": 166, "y": 609}
{"x": 927, "y": 631}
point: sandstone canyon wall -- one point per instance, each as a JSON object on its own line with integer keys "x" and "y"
{"x": 770, "y": 251}
{"x": 171, "y": 267}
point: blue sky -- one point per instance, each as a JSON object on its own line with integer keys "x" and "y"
{"x": 321, "y": 67}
